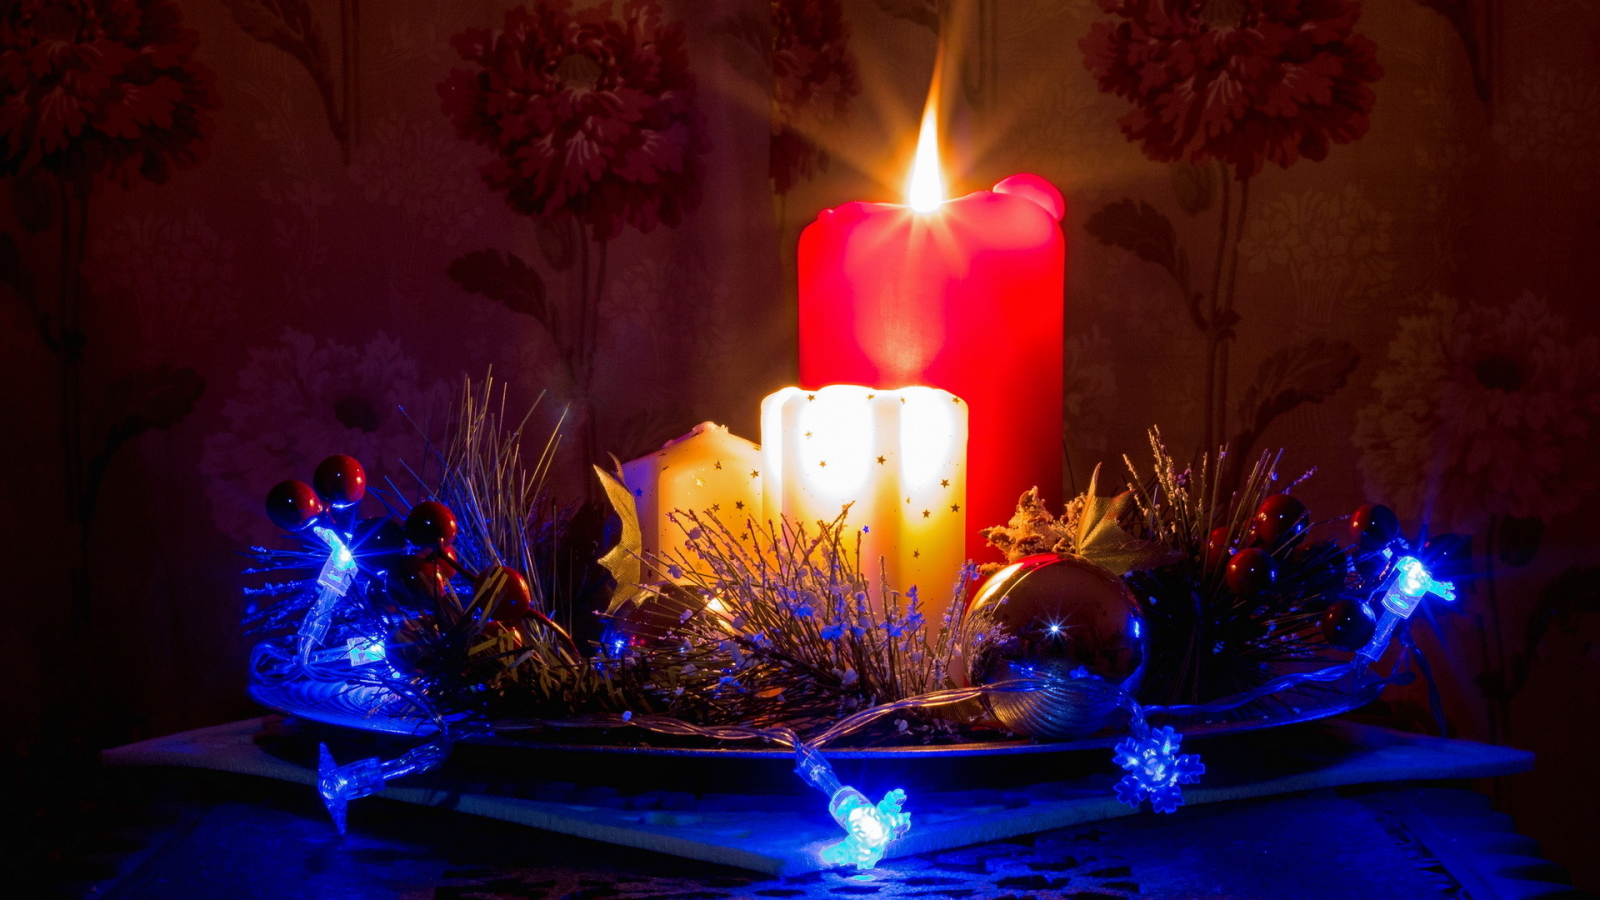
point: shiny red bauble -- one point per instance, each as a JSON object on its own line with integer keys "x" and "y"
{"x": 378, "y": 543}
{"x": 1279, "y": 518}
{"x": 504, "y": 594}
{"x": 1346, "y": 625}
{"x": 1251, "y": 572}
{"x": 1447, "y": 556}
{"x": 340, "y": 481}
{"x": 1217, "y": 546}
{"x": 292, "y": 505}
{"x": 417, "y": 581}
{"x": 431, "y": 525}
{"x": 377, "y": 534}
{"x": 1374, "y": 527}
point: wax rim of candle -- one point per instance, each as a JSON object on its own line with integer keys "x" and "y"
{"x": 1034, "y": 188}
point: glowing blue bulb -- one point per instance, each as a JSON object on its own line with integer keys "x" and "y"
{"x": 1155, "y": 769}
{"x": 870, "y": 827}
{"x": 366, "y": 650}
{"x": 359, "y": 651}
{"x": 340, "y": 569}
{"x": 1411, "y": 582}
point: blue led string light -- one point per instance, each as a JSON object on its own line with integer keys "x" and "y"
{"x": 333, "y": 582}
{"x": 1408, "y": 584}
{"x": 359, "y": 659}
{"x": 1149, "y": 755}
{"x": 338, "y": 784}
{"x": 868, "y": 827}
{"x": 1155, "y": 767}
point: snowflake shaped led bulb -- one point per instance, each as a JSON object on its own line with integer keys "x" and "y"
{"x": 871, "y": 827}
{"x": 1410, "y": 582}
{"x": 1155, "y": 768}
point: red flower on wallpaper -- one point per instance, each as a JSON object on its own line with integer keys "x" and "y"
{"x": 107, "y": 88}
{"x": 586, "y": 113}
{"x": 1242, "y": 81}
{"x": 813, "y": 74}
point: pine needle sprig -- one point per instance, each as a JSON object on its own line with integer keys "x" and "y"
{"x": 1206, "y": 641}
{"x": 795, "y": 633}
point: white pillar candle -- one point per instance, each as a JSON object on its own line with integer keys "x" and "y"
{"x": 708, "y": 469}
{"x": 899, "y": 458}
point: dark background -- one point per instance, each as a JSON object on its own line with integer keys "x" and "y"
{"x": 1421, "y": 301}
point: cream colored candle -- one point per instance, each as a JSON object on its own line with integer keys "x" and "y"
{"x": 707, "y": 469}
{"x": 899, "y": 458}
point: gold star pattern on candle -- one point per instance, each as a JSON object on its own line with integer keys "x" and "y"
{"x": 811, "y": 396}
{"x": 926, "y": 513}
{"x": 716, "y": 507}
{"x": 881, "y": 461}
{"x": 754, "y": 473}
{"x": 915, "y": 554}
{"x": 955, "y": 507}
{"x": 944, "y": 483}
{"x": 719, "y": 463}
{"x": 823, "y": 464}
{"x": 699, "y": 482}
{"x": 738, "y": 504}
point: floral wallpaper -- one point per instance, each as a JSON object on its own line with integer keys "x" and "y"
{"x": 238, "y": 236}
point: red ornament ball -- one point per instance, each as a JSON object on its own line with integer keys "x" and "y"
{"x": 377, "y": 535}
{"x": 1279, "y": 518}
{"x": 378, "y": 543}
{"x": 292, "y": 505}
{"x": 505, "y": 594}
{"x": 1448, "y": 556}
{"x": 1251, "y": 572}
{"x": 1373, "y": 527}
{"x": 1217, "y": 549}
{"x": 341, "y": 481}
{"x": 417, "y": 581}
{"x": 1346, "y": 625}
{"x": 448, "y": 555}
{"x": 431, "y": 524}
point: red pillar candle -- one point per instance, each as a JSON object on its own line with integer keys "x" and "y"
{"x": 966, "y": 297}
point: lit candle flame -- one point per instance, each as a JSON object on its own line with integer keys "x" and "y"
{"x": 925, "y": 190}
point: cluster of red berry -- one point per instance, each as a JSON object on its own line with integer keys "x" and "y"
{"x": 414, "y": 563}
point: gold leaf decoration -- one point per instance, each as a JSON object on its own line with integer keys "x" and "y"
{"x": 1101, "y": 540}
{"x": 623, "y": 561}
{"x": 1088, "y": 527}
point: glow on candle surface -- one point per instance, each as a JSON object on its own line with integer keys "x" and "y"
{"x": 965, "y": 296}
{"x": 899, "y": 459}
{"x": 707, "y": 469}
